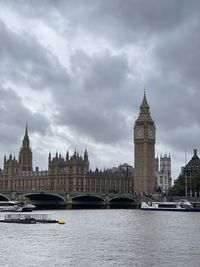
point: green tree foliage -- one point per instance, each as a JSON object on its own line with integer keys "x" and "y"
{"x": 195, "y": 183}
{"x": 178, "y": 188}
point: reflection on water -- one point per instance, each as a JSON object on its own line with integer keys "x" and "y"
{"x": 104, "y": 238}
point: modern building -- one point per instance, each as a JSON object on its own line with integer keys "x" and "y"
{"x": 144, "y": 151}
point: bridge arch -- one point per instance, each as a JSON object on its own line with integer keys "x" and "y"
{"x": 4, "y": 197}
{"x": 88, "y": 201}
{"x": 122, "y": 202}
{"x": 45, "y": 200}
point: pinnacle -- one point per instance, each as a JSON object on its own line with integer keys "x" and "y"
{"x": 26, "y": 131}
{"x": 144, "y": 102}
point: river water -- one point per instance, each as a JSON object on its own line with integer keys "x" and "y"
{"x": 93, "y": 238}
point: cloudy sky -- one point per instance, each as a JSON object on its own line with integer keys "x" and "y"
{"x": 75, "y": 71}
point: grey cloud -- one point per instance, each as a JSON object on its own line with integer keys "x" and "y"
{"x": 176, "y": 113}
{"x": 119, "y": 21}
{"x": 176, "y": 93}
{"x": 14, "y": 116}
{"x": 25, "y": 61}
{"x": 102, "y": 90}
{"x": 178, "y": 53}
{"x": 96, "y": 101}
{"x": 92, "y": 99}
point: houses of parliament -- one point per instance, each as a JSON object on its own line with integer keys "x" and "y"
{"x": 68, "y": 174}
{"x": 72, "y": 173}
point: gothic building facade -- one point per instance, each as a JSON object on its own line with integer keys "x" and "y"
{"x": 144, "y": 151}
{"x": 68, "y": 174}
{"x": 73, "y": 174}
{"x": 163, "y": 173}
{"x": 23, "y": 164}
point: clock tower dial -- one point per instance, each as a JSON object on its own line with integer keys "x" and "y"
{"x": 151, "y": 133}
{"x": 139, "y": 132}
{"x": 144, "y": 151}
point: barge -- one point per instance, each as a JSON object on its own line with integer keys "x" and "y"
{"x": 29, "y": 218}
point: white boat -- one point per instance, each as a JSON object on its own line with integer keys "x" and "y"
{"x": 16, "y": 206}
{"x": 182, "y": 205}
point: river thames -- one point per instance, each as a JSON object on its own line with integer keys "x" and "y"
{"x": 118, "y": 237}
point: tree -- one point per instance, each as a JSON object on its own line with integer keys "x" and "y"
{"x": 178, "y": 188}
{"x": 193, "y": 186}
{"x": 195, "y": 183}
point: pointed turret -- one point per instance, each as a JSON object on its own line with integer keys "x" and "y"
{"x": 49, "y": 156}
{"x": 144, "y": 110}
{"x": 67, "y": 156}
{"x": 26, "y": 141}
{"x": 26, "y": 131}
{"x": 86, "y": 155}
{"x": 144, "y": 102}
{"x": 25, "y": 154}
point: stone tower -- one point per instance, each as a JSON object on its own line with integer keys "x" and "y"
{"x": 165, "y": 173}
{"x": 144, "y": 152}
{"x": 25, "y": 154}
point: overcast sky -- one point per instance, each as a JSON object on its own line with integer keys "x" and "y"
{"x": 75, "y": 71}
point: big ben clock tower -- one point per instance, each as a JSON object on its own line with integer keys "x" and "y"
{"x": 144, "y": 151}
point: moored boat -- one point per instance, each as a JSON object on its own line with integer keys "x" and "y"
{"x": 29, "y": 218}
{"x": 16, "y": 206}
{"x": 182, "y": 205}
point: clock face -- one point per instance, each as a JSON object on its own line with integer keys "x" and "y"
{"x": 139, "y": 132}
{"x": 150, "y": 133}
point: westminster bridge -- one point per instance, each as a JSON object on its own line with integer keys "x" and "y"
{"x": 68, "y": 200}
{"x": 61, "y": 199}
